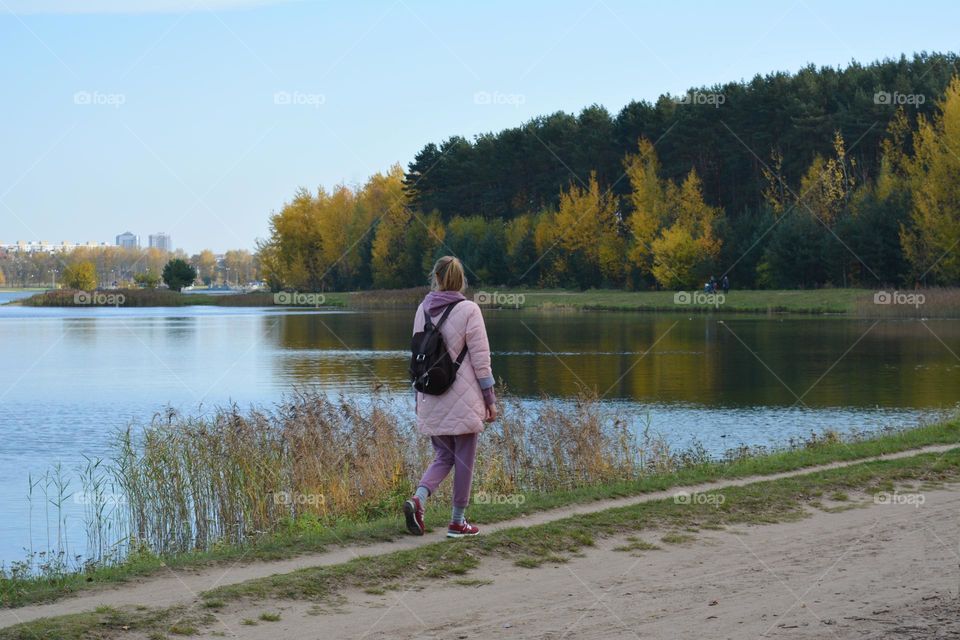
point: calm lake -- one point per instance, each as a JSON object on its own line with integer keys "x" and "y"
{"x": 71, "y": 377}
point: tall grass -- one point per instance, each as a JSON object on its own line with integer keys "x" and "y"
{"x": 191, "y": 483}
{"x": 184, "y": 484}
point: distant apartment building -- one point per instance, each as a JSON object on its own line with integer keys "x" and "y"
{"x": 161, "y": 241}
{"x": 128, "y": 240}
{"x": 22, "y": 246}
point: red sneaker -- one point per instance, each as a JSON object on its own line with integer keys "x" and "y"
{"x": 461, "y": 530}
{"x": 413, "y": 511}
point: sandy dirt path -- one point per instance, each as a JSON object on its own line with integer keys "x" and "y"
{"x": 182, "y": 586}
{"x": 876, "y": 572}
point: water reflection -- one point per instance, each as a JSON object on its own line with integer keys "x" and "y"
{"x": 704, "y": 360}
{"x": 71, "y": 377}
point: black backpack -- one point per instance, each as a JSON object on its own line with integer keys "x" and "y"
{"x": 432, "y": 370}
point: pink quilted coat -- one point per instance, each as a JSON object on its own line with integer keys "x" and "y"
{"x": 461, "y": 408}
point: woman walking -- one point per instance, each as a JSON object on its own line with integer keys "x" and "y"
{"x": 454, "y": 419}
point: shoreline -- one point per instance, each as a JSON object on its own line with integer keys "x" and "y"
{"x": 840, "y": 303}
{"x": 189, "y": 603}
{"x": 294, "y": 541}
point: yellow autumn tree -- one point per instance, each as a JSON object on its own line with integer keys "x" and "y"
{"x": 385, "y": 201}
{"x": 239, "y": 266}
{"x": 82, "y": 275}
{"x": 335, "y": 219}
{"x": 676, "y": 256}
{"x": 672, "y": 228}
{"x": 293, "y": 254}
{"x": 587, "y": 230}
{"x": 828, "y": 184}
{"x": 931, "y": 241}
{"x": 206, "y": 265}
{"x": 546, "y": 238}
{"x": 647, "y": 199}
{"x": 685, "y": 250}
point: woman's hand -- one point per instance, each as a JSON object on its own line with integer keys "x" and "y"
{"x": 491, "y": 413}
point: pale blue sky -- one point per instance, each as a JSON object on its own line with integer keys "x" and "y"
{"x": 154, "y": 115}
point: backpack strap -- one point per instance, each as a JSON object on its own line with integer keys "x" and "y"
{"x": 436, "y": 327}
{"x": 459, "y": 360}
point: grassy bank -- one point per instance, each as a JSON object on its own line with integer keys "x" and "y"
{"x": 145, "y": 298}
{"x": 836, "y": 301}
{"x": 189, "y": 481}
{"x": 865, "y": 303}
{"x": 926, "y": 303}
{"x": 660, "y": 523}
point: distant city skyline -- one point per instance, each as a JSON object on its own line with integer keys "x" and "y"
{"x": 210, "y": 119}
{"x": 127, "y": 239}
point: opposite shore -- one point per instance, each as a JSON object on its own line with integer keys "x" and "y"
{"x": 861, "y": 303}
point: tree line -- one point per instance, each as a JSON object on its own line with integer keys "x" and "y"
{"x": 122, "y": 267}
{"x": 826, "y": 177}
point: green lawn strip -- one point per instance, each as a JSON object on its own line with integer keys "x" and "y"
{"x": 842, "y": 301}
{"x": 301, "y": 538}
{"x": 809, "y": 301}
{"x": 849, "y": 302}
{"x": 764, "y": 502}
{"x": 150, "y": 298}
{"x": 110, "y": 622}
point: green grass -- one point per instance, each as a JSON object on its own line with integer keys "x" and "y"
{"x": 635, "y": 544}
{"x": 850, "y": 302}
{"x": 110, "y": 622}
{"x": 299, "y": 539}
{"x": 938, "y": 302}
{"x": 840, "y": 301}
{"x": 472, "y": 582}
{"x": 817, "y": 301}
{"x": 765, "y": 502}
{"x": 153, "y": 298}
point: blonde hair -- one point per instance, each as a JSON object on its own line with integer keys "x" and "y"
{"x": 447, "y": 275}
